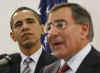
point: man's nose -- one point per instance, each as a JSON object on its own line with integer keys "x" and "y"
{"x": 25, "y": 26}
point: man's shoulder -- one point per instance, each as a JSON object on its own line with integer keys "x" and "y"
{"x": 14, "y": 54}
{"x": 91, "y": 64}
{"x": 94, "y": 54}
{"x": 93, "y": 57}
{"x": 15, "y": 57}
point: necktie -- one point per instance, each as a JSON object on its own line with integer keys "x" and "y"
{"x": 63, "y": 69}
{"x": 27, "y": 68}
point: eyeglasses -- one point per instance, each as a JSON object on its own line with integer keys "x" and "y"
{"x": 58, "y": 25}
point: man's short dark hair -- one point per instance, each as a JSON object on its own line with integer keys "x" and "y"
{"x": 21, "y": 9}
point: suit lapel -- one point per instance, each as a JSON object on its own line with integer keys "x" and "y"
{"x": 40, "y": 62}
{"x": 44, "y": 60}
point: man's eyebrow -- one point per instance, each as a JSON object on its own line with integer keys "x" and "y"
{"x": 29, "y": 19}
{"x": 60, "y": 20}
{"x": 57, "y": 21}
{"x": 19, "y": 21}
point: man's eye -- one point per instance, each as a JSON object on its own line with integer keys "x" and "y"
{"x": 18, "y": 24}
{"x": 60, "y": 25}
{"x": 48, "y": 28}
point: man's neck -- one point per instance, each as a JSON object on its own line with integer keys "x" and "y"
{"x": 30, "y": 51}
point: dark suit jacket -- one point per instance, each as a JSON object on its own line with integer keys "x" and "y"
{"x": 14, "y": 66}
{"x": 91, "y": 64}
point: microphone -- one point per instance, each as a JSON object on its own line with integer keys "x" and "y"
{"x": 3, "y": 55}
{"x": 5, "y": 63}
{"x": 5, "y": 60}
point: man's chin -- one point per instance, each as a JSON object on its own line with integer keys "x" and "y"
{"x": 28, "y": 45}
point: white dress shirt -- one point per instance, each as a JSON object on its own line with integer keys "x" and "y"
{"x": 76, "y": 60}
{"x": 35, "y": 58}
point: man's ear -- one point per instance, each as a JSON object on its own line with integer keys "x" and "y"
{"x": 12, "y": 35}
{"x": 42, "y": 27}
{"x": 85, "y": 30}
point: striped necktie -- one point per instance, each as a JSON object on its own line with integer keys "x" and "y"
{"x": 27, "y": 62}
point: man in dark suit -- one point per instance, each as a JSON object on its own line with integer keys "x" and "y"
{"x": 26, "y": 31}
{"x": 70, "y": 31}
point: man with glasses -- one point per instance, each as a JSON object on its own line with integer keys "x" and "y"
{"x": 70, "y": 31}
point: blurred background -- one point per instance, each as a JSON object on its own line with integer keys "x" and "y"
{"x": 7, "y": 7}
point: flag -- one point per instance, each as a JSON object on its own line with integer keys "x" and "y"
{"x": 45, "y": 6}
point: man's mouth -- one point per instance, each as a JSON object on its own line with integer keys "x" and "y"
{"x": 26, "y": 36}
{"x": 57, "y": 44}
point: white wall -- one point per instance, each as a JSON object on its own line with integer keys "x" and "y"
{"x": 8, "y": 6}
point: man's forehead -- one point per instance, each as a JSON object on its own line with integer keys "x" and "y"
{"x": 24, "y": 15}
{"x": 62, "y": 10}
{"x": 23, "y": 11}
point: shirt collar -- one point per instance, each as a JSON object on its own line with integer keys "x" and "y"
{"x": 76, "y": 60}
{"x": 34, "y": 56}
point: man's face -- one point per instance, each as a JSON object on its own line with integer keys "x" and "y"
{"x": 64, "y": 36}
{"x": 26, "y": 29}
